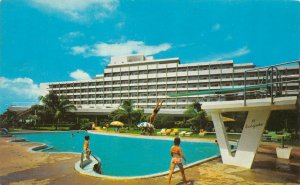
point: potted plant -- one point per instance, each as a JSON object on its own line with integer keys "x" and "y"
{"x": 283, "y": 152}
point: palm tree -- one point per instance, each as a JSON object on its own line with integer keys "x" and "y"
{"x": 57, "y": 106}
{"x": 197, "y": 116}
{"x": 126, "y": 113}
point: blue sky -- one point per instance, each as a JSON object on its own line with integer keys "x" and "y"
{"x": 64, "y": 40}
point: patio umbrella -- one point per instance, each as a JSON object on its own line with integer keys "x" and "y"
{"x": 226, "y": 119}
{"x": 117, "y": 124}
{"x": 144, "y": 124}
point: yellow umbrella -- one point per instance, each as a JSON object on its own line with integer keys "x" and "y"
{"x": 117, "y": 124}
{"x": 226, "y": 119}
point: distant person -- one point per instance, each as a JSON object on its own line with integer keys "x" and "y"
{"x": 155, "y": 111}
{"x": 93, "y": 126}
{"x": 216, "y": 142}
{"x": 72, "y": 135}
{"x": 177, "y": 154}
{"x": 86, "y": 148}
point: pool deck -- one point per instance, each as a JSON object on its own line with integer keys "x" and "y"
{"x": 19, "y": 166}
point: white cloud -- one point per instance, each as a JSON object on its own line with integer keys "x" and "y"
{"x": 80, "y": 75}
{"x": 71, "y": 36}
{"x": 77, "y": 50}
{"x": 216, "y": 27}
{"x": 21, "y": 87}
{"x": 119, "y": 49}
{"x": 79, "y": 10}
{"x": 222, "y": 56}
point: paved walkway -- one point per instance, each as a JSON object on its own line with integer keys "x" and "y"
{"x": 19, "y": 166}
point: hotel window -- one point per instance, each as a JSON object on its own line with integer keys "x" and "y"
{"x": 152, "y": 80}
{"x": 161, "y": 94}
{"x": 133, "y": 81}
{"x": 143, "y": 87}
{"x": 152, "y": 71}
{"x": 125, "y": 74}
{"x": 181, "y": 79}
{"x": 107, "y": 75}
{"x": 133, "y": 94}
{"x": 161, "y": 80}
{"x": 124, "y": 95}
{"x": 182, "y": 69}
{"x": 124, "y": 88}
{"x": 181, "y": 86}
{"x": 171, "y": 79}
{"x": 133, "y": 88}
{"x": 161, "y": 87}
{"x": 161, "y": 71}
{"x": 116, "y": 82}
{"x": 191, "y": 78}
{"x": 193, "y": 68}
{"x": 171, "y": 86}
{"x": 192, "y": 85}
{"x": 143, "y": 81}
{"x": 107, "y": 83}
{"x": 143, "y": 72}
{"x": 172, "y": 70}
{"x": 152, "y": 101}
{"x": 99, "y": 83}
{"x": 134, "y": 73}
{"x": 116, "y": 89}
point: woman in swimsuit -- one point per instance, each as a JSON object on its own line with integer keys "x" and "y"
{"x": 155, "y": 111}
{"x": 177, "y": 154}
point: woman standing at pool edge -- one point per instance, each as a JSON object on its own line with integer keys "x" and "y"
{"x": 177, "y": 154}
{"x": 86, "y": 147}
{"x": 155, "y": 111}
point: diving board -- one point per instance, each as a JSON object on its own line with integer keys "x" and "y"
{"x": 219, "y": 91}
{"x": 259, "y": 111}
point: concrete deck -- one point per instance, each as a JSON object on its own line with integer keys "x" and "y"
{"x": 18, "y": 166}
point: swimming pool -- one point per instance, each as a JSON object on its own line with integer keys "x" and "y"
{"x": 125, "y": 156}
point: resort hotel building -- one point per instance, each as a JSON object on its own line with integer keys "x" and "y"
{"x": 144, "y": 80}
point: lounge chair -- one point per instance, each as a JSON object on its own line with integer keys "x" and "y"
{"x": 188, "y": 133}
{"x": 182, "y": 133}
{"x": 168, "y": 131}
{"x": 174, "y": 132}
{"x": 163, "y": 131}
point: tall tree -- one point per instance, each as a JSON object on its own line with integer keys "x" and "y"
{"x": 197, "y": 116}
{"x": 57, "y": 106}
{"x": 127, "y": 114}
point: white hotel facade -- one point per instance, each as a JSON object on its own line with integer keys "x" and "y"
{"x": 144, "y": 80}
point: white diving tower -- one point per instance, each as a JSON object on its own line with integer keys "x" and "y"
{"x": 259, "y": 111}
{"x": 271, "y": 92}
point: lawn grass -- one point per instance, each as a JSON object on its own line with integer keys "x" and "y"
{"x": 136, "y": 131}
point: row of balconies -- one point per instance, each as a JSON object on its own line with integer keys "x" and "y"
{"x": 128, "y": 82}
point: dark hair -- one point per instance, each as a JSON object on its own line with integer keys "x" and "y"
{"x": 177, "y": 141}
{"x": 86, "y": 137}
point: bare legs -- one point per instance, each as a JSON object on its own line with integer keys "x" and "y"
{"x": 172, "y": 167}
{"x": 155, "y": 111}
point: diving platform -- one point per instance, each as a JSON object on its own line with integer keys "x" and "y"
{"x": 259, "y": 111}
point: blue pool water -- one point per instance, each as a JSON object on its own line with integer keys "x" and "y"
{"x": 125, "y": 156}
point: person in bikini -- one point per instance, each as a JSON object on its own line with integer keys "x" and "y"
{"x": 155, "y": 111}
{"x": 86, "y": 148}
{"x": 177, "y": 155}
